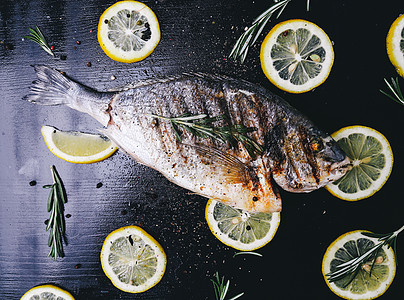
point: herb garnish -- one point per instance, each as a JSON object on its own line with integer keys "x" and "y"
{"x": 221, "y": 288}
{"x": 249, "y": 37}
{"x": 395, "y": 89}
{"x": 56, "y": 222}
{"x": 201, "y": 126}
{"x": 37, "y": 37}
{"x": 354, "y": 265}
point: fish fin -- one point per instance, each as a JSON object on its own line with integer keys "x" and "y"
{"x": 51, "y": 87}
{"x": 234, "y": 170}
{"x": 146, "y": 82}
{"x": 152, "y": 81}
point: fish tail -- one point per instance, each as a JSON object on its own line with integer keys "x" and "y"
{"x": 51, "y": 87}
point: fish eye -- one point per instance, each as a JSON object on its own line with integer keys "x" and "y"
{"x": 316, "y": 145}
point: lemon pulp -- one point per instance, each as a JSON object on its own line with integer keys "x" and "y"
{"x": 132, "y": 259}
{"x": 395, "y": 44}
{"x": 128, "y": 31}
{"x": 77, "y": 147}
{"x": 297, "y": 56}
{"x": 368, "y": 282}
{"x": 46, "y": 292}
{"x": 371, "y": 158}
{"x": 241, "y": 229}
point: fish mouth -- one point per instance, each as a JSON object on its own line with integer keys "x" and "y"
{"x": 340, "y": 168}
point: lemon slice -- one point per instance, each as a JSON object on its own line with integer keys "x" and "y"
{"x": 240, "y": 229}
{"x": 368, "y": 283}
{"x": 371, "y": 158}
{"x": 128, "y": 31}
{"x": 297, "y": 56}
{"x": 77, "y": 147}
{"x": 132, "y": 259}
{"x": 46, "y": 292}
{"x": 395, "y": 44}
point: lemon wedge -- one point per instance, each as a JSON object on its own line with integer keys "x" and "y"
{"x": 132, "y": 259}
{"x": 297, "y": 56}
{"x": 368, "y": 282}
{"x": 128, "y": 31}
{"x": 395, "y": 44}
{"x": 371, "y": 159}
{"x": 77, "y": 147}
{"x": 44, "y": 292}
{"x": 240, "y": 229}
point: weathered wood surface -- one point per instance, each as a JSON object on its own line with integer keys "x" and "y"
{"x": 196, "y": 36}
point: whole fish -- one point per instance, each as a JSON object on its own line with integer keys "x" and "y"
{"x": 257, "y": 138}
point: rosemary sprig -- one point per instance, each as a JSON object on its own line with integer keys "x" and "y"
{"x": 221, "y": 288}
{"x": 56, "y": 222}
{"x": 250, "y": 36}
{"x": 37, "y": 37}
{"x": 394, "y": 87}
{"x": 201, "y": 126}
{"x": 352, "y": 267}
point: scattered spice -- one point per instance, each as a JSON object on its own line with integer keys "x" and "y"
{"x": 9, "y": 46}
{"x": 68, "y": 216}
{"x": 88, "y": 64}
{"x": 99, "y": 184}
{"x": 78, "y": 266}
{"x": 52, "y": 47}
{"x": 78, "y": 42}
{"x": 113, "y": 77}
{"x": 32, "y": 183}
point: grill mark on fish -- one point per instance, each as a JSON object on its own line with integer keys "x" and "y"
{"x": 293, "y": 173}
{"x": 309, "y": 154}
{"x": 274, "y": 143}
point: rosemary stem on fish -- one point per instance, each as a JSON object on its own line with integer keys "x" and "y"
{"x": 395, "y": 89}
{"x": 353, "y": 266}
{"x": 37, "y": 37}
{"x": 250, "y": 36}
{"x": 221, "y": 288}
{"x": 56, "y": 222}
{"x": 201, "y": 126}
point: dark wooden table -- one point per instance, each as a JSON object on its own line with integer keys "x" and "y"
{"x": 197, "y": 35}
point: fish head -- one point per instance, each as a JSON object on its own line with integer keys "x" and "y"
{"x": 331, "y": 160}
{"x": 309, "y": 160}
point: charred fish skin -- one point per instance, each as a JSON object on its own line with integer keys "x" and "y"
{"x": 297, "y": 155}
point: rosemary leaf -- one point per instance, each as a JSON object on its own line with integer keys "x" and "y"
{"x": 351, "y": 268}
{"x": 221, "y": 288}
{"x": 50, "y": 198}
{"x": 395, "y": 89}
{"x": 247, "y": 252}
{"x": 250, "y": 36}
{"x": 37, "y": 37}
{"x": 201, "y": 126}
{"x": 56, "y": 222}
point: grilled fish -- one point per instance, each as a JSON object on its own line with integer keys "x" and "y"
{"x": 294, "y": 153}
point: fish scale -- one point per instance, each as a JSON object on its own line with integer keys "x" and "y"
{"x": 297, "y": 156}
